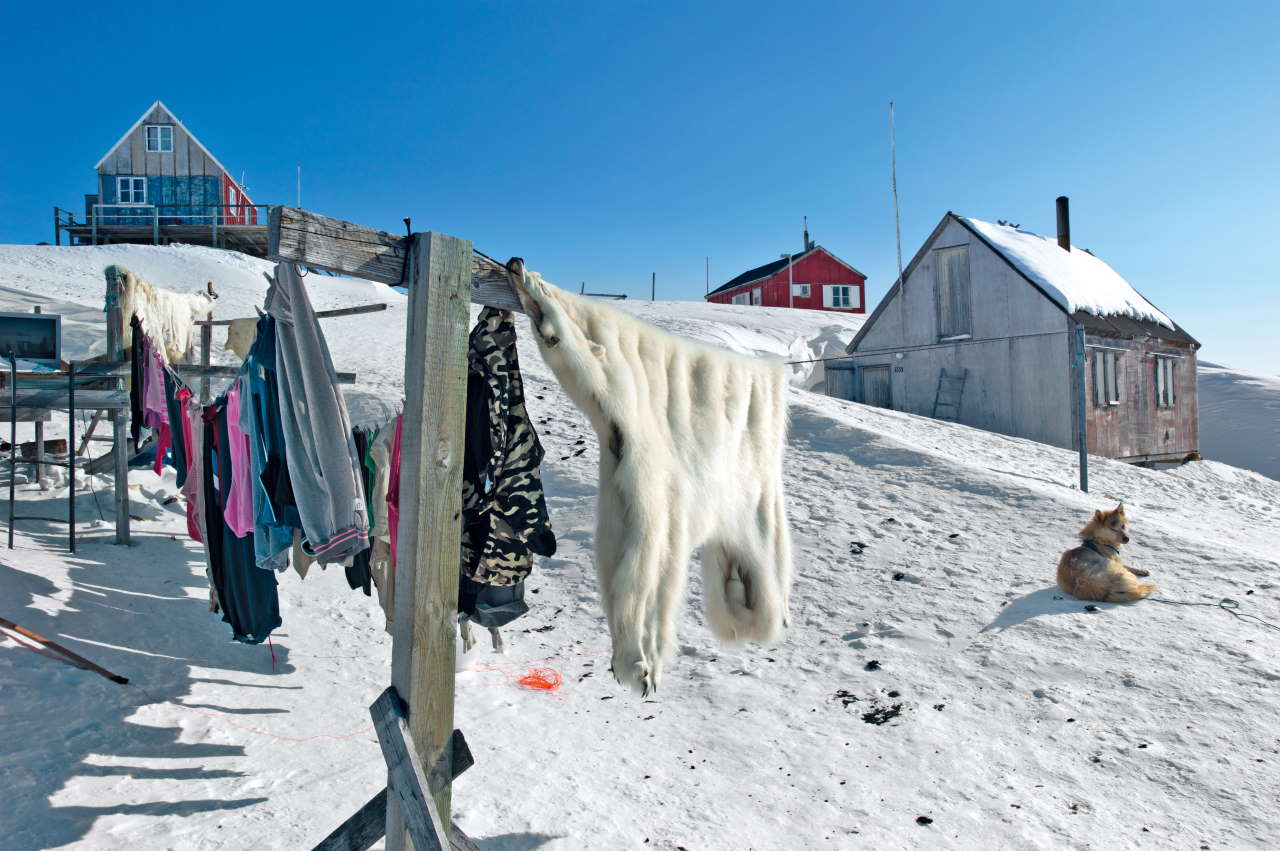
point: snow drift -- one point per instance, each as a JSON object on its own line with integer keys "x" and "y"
{"x": 934, "y": 689}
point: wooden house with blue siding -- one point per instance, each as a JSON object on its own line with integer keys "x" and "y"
{"x": 158, "y": 184}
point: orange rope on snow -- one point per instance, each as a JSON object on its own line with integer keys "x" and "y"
{"x": 542, "y": 679}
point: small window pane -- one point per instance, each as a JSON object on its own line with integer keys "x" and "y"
{"x": 1099, "y": 396}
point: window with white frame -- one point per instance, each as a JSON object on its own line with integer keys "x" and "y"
{"x": 1164, "y": 382}
{"x": 951, "y": 267}
{"x": 159, "y": 138}
{"x": 800, "y": 290}
{"x": 839, "y": 295}
{"x": 757, "y": 295}
{"x": 1106, "y": 382}
{"x": 131, "y": 190}
{"x": 742, "y": 298}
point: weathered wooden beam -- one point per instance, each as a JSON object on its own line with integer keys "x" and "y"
{"x": 320, "y": 314}
{"x": 119, "y": 419}
{"x": 320, "y": 242}
{"x": 407, "y": 782}
{"x": 58, "y": 398}
{"x": 191, "y": 370}
{"x": 369, "y": 824}
{"x": 206, "y": 351}
{"x": 426, "y": 594}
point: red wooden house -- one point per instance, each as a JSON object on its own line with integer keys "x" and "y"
{"x": 818, "y": 280}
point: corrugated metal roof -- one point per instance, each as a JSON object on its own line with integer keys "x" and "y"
{"x": 768, "y": 270}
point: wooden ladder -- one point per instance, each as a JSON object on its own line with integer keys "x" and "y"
{"x": 946, "y": 403}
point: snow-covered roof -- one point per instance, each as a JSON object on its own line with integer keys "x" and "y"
{"x": 1075, "y": 279}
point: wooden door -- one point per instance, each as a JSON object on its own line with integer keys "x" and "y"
{"x": 875, "y": 386}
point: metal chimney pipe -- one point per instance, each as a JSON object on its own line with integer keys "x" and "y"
{"x": 1064, "y": 224}
{"x": 807, "y": 243}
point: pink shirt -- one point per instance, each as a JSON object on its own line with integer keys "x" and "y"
{"x": 239, "y": 508}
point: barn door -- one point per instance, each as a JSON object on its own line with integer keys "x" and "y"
{"x": 875, "y": 386}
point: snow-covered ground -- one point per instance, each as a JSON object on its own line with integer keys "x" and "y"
{"x": 1010, "y": 716}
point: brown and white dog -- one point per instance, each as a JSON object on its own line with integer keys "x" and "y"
{"x": 1093, "y": 570}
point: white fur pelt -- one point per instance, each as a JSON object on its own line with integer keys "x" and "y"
{"x": 166, "y": 316}
{"x": 240, "y": 336}
{"x": 691, "y": 442}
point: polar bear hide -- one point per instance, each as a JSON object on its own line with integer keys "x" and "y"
{"x": 166, "y": 316}
{"x": 691, "y": 441}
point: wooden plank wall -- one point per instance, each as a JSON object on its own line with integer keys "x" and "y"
{"x": 1137, "y": 427}
{"x": 187, "y": 159}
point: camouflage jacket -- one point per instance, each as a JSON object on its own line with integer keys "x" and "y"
{"x": 504, "y": 513}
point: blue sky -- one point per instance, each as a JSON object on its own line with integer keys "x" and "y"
{"x": 604, "y": 141}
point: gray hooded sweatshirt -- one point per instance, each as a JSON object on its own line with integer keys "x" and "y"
{"x": 319, "y": 448}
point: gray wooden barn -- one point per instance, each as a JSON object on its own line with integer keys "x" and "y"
{"x": 984, "y": 329}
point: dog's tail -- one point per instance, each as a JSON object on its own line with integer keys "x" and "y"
{"x": 1132, "y": 593}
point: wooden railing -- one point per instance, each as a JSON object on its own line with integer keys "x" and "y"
{"x": 158, "y": 216}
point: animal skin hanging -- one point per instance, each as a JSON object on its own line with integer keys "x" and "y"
{"x": 691, "y": 442}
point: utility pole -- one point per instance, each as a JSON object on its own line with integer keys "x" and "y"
{"x": 653, "y": 285}
{"x": 791, "y": 287}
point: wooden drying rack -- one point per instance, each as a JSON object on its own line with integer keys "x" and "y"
{"x": 414, "y": 716}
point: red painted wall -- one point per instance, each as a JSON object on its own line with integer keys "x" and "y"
{"x": 233, "y": 195}
{"x": 816, "y": 269}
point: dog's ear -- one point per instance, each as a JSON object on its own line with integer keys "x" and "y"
{"x": 1119, "y": 511}
{"x": 1099, "y": 517}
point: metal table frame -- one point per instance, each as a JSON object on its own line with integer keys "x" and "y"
{"x": 87, "y": 371}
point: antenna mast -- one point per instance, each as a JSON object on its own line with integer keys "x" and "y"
{"x": 893, "y": 180}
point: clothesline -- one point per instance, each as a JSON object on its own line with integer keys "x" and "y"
{"x": 275, "y": 476}
{"x": 320, "y": 314}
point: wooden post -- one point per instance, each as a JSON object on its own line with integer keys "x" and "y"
{"x": 430, "y": 504}
{"x": 39, "y": 428}
{"x": 443, "y": 276}
{"x": 1082, "y": 435}
{"x": 206, "y": 345}
{"x": 119, "y": 419}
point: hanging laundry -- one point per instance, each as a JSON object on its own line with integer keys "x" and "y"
{"x": 301, "y": 561}
{"x": 317, "y": 433}
{"x": 239, "y": 499}
{"x": 193, "y": 486}
{"x": 248, "y": 596}
{"x": 181, "y": 429}
{"x": 275, "y": 511}
{"x": 381, "y": 558}
{"x": 155, "y": 408}
{"x": 137, "y": 368}
{"x": 691, "y": 441}
{"x": 359, "y": 573}
{"x": 504, "y": 511}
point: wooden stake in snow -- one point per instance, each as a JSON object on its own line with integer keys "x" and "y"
{"x": 443, "y": 277}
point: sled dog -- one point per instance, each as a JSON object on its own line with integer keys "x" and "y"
{"x": 1093, "y": 570}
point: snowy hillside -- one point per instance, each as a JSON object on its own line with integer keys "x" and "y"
{"x": 1240, "y": 418}
{"x": 934, "y": 689}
